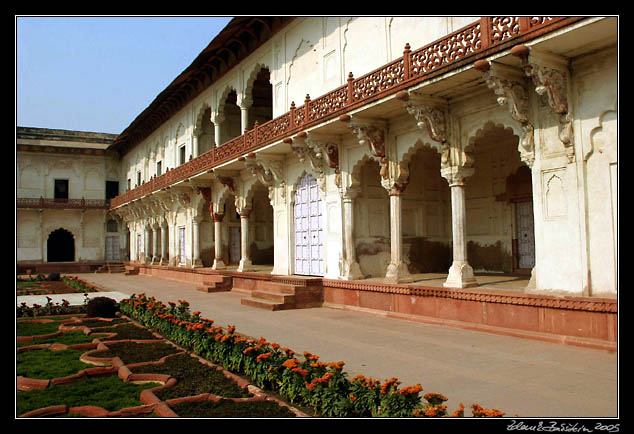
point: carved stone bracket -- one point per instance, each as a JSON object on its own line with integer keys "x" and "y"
{"x": 510, "y": 87}
{"x": 320, "y": 152}
{"x": 549, "y": 75}
{"x": 269, "y": 172}
{"x": 430, "y": 115}
{"x": 372, "y": 133}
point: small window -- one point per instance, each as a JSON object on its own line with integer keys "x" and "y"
{"x": 129, "y": 184}
{"x": 111, "y": 226}
{"x": 158, "y": 168}
{"x": 181, "y": 152}
{"x": 61, "y": 189}
{"x": 138, "y": 178}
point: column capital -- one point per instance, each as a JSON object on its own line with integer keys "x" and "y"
{"x": 456, "y": 175}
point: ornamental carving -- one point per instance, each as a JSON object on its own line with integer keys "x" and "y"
{"x": 549, "y": 75}
{"x": 510, "y": 89}
{"x": 430, "y": 115}
{"x": 269, "y": 172}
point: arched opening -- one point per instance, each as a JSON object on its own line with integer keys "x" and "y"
{"x": 499, "y": 211}
{"x": 426, "y": 214}
{"x": 371, "y": 221}
{"x": 60, "y": 246}
{"x": 206, "y": 133}
{"x": 261, "y": 238}
{"x": 262, "y": 95}
{"x": 231, "y": 125}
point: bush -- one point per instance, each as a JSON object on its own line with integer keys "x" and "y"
{"x": 102, "y": 307}
{"x": 54, "y": 277}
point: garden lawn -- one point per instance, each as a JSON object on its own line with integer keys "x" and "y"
{"x": 110, "y": 393}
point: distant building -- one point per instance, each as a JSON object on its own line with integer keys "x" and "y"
{"x": 65, "y": 180}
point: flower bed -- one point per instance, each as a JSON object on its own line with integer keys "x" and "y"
{"x": 324, "y": 387}
{"x": 54, "y": 380}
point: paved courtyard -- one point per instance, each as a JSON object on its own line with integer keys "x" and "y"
{"x": 518, "y": 376}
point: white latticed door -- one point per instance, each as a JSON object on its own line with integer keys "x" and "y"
{"x": 308, "y": 212}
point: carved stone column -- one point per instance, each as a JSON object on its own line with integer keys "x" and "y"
{"x": 245, "y": 259}
{"x": 351, "y": 269}
{"x": 218, "y": 262}
{"x": 196, "y": 262}
{"x": 155, "y": 252}
{"x": 195, "y": 143}
{"x": 164, "y": 245}
{"x": 397, "y": 271}
{"x": 217, "y": 120}
{"x": 146, "y": 245}
{"x": 460, "y": 273}
{"x": 245, "y": 105}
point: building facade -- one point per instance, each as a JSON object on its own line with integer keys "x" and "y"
{"x": 64, "y": 182}
{"x": 367, "y": 148}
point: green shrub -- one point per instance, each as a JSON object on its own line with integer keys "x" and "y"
{"x": 102, "y": 307}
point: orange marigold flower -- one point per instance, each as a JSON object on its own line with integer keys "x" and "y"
{"x": 290, "y": 363}
{"x": 411, "y": 390}
{"x": 352, "y": 397}
{"x": 435, "y": 397}
{"x": 275, "y": 346}
{"x": 231, "y": 329}
{"x": 262, "y": 357}
{"x": 301, "y": 371}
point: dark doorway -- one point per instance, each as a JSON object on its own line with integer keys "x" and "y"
{"x": 112, "y": 189}
{"x": 60, "y": 246}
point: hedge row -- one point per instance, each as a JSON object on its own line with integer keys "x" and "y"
{"x": 301, "y": 380}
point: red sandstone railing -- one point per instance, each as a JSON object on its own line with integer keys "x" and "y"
{"x": 483, "y": 37}
{"x": 42, "y": 203}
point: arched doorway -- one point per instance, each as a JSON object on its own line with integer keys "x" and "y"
{"x": 60, "y": 246}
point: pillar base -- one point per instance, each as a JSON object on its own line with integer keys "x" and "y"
{"x": 398, "y": 273}
{"x": 156, "y": 260}
{"x": 245, "y": 265}
{"x": 197, "y": 263}
{"x": 460, "y": 276}
{"x": 164, "y": 261}
{"x": 218, "y": 264}
{"x": 351, "y": 271}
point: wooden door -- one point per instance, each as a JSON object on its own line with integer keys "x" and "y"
{"x": 525, "y": 235}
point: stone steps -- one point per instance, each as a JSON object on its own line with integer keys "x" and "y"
{"x": 215, "y": 283}
{"x": 280, "y": 296}
{"x": 111, "y": 267}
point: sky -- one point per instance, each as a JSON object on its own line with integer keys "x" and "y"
{"x": 98, "y": 73}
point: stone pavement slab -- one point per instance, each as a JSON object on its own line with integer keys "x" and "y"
{"x": 518, "y": 376}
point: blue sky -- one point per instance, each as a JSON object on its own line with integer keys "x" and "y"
{"x": 98, "y": 73}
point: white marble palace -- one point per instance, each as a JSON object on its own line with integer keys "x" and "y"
{"x": 368, "y": 149}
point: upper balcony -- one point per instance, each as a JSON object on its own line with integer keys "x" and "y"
{"x": 45, "y": 203}
{"x": 480, "y": 39}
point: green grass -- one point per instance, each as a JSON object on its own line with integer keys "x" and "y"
{"x": 110, "y": 393}
{"x": 44, "y": 364}
{"x": 68, "y": 338}
{"x": 27, "y": 328}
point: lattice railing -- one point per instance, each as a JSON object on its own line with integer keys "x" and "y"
{"x": 42, "y": 203}
{"x": 481, "y": 37}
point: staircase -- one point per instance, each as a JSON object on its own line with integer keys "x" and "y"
{"x": 272, "y": 296}
{"x": 111, "y": 267}
{"x": 131, "y": 270}
{"x": 216, "y": 283}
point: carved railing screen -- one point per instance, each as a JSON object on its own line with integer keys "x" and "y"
{"x": 42, "y": 203}
{"x": 479, "y": 38}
